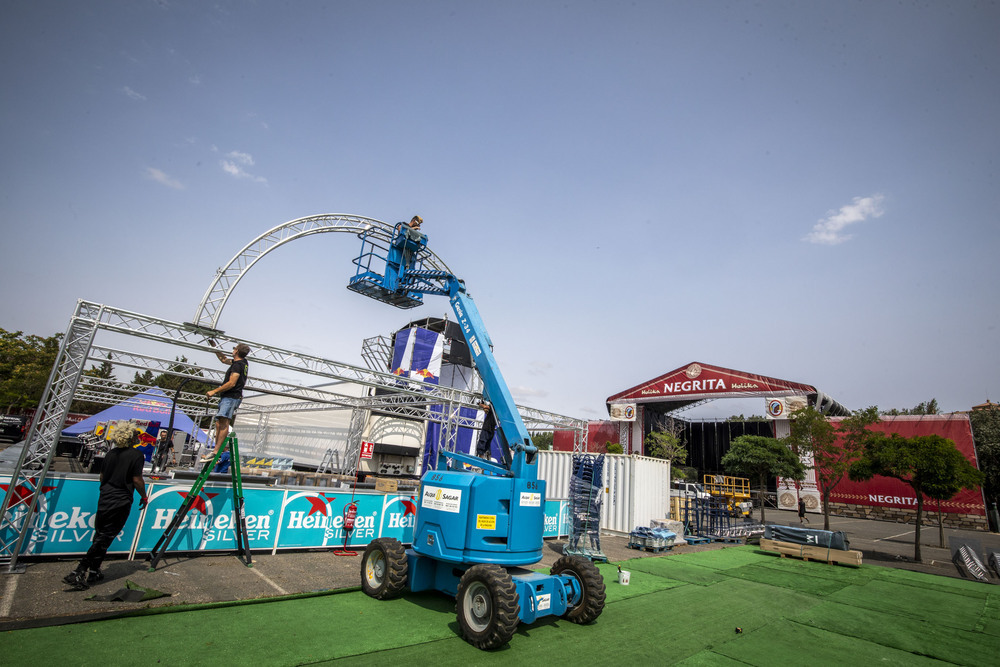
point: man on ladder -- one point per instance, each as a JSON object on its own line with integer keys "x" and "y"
{"x": 226, "y": 445}
{"x": 230, "y": 395}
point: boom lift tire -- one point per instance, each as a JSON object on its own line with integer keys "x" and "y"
{"x": 487, "y": 606}
{"x": 384, "y": 569}
{"x": 591, "y": 584}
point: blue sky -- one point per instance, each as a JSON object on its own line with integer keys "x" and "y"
{"x": 803, "y": 190}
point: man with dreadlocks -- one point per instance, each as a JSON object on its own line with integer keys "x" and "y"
{"x": 121, "y": 475}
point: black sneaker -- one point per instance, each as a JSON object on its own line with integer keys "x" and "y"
{"x": 77, "y": 580}
{"x": 94, "y": 576}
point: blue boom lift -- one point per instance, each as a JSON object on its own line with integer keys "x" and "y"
{"x": 475, "y": 531}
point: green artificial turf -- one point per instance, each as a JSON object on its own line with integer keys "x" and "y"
{"x": 917, "y": 636}
{"x": 790, "y": 643}
{"x": 678, "y": 609}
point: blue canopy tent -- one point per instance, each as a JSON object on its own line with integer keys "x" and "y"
{"x": 153, "y": 405}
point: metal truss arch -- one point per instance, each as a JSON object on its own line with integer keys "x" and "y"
{"x": 226, "y": 278}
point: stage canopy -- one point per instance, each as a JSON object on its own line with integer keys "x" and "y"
{"x": 152, "y": 404}
{"x": 699, "y": 383}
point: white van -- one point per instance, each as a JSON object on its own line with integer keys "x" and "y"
{"x": 688, "y": 490}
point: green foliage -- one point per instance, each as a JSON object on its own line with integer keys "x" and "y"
{"x": 833, "y": 451}
{"x": 684, "y": 473}
{"x": 751, "y": 418}
{"x": 758, "y": 458}
{"x": 103, "y": 380}
{"x": 666, "y": 446}
{"x": 144, "y": 378}
{"x": 25, "y": 364}
{"x": 170, "y": 382}
{"x": 613, "y": 448}
{"x": 927, "y": 408}
{"x": 543, "y": 441}
{"x": 930, "y": 464}
{"x": 986, "y": 433}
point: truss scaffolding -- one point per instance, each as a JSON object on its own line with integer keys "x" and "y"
{"x": 315, "y": 388}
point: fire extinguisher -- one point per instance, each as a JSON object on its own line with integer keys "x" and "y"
{"x": 350, "y": 515}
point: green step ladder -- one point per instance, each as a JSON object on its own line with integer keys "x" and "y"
{"x": 231, "y": 444}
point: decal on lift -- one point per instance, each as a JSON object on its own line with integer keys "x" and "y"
{"x": 486, "y": 521}
{"x": 544, "y": 601}
{"x": 529, "y": 499}
{"x": 437, "y": 498}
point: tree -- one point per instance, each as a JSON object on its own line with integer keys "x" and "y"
{"x": 666, "y": 446}
{"x": 103, "y": 380}
{"x": 543, "y": 441}
{"x": 948, "y": 477}
{"x": 927, "y": 408}
{"x": 26, "y": 362}
{"x": 613, "y": 448}
{"x": 685, "y": 473}
{"x": 170, "y": 381}
{"x": 928, "y": 464}
{"x": 986, "y": 434}
{"x": 144, "y": 378}
{"x": 833, "y": 450}
{"x": 757, "y": 457}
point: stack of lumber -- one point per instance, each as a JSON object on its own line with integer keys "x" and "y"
{"x": 805, "y": 552}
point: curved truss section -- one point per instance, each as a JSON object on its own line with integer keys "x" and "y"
{"x": 226, "y": 278}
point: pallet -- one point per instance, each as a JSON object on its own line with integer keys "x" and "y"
{"x": 592, "y": 555}
{"x": 819, "y": 554}
{"x": 727, "y": 539}
{"x": 695, "y": 539}
{"x": 643, "y": 547}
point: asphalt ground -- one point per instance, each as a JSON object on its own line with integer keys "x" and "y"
{"x": 37, "y": 597}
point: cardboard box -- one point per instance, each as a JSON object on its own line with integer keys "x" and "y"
{"x": 386, "y": 485}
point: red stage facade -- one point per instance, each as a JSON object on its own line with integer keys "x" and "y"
{"x": 698, "y": 382}
{"x": 891, "y": 499}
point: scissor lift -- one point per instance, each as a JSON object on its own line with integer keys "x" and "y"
{"x": 734, "y": 490}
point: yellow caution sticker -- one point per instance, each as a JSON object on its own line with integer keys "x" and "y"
{"x": 486, "y": 521}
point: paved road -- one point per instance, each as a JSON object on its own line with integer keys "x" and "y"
{"x": 891, "y": 543}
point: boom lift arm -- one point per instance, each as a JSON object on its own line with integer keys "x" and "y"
{"x": 402, "y": 285}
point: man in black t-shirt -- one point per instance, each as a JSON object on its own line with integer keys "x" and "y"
{"x": 230, "y": 393}
{"x": 121, "y": 475}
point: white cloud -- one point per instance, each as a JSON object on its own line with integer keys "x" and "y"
{"x": 161, "y": 178}
{"x": 830, "y": 230}
{"x": 242, "y": 158}
{"x": 539, "y": 368}
{"x": 525, "y": 393}
{"x": 236, "y": 170}
{"x": 138, "y": 97}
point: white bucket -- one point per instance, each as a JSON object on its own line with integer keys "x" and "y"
{"x": 623, "y": 576}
